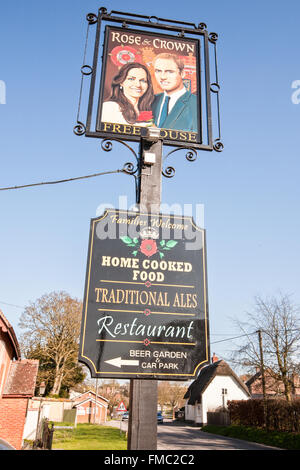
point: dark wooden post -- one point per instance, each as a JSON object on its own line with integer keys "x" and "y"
{"x": 142, "y": 426}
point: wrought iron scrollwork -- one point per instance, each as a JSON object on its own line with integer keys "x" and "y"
{"x": 169, "y": 171}
{"x": 153, "y": 19}
{"x": 103, "y": 11}
{"x": 86, "y": 70}
{"x": 215, "y": 87}
{"x": 89, "y": 76}
{"x": 129, "y": 167}
{"x": 213, "y": 37}
{"x": 218, "y": 146}
{"x": 91, "y": 18}
{"x": 202, "y": 26}
{"x": 79, "y": 129}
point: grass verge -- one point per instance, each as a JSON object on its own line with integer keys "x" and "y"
{"x": 89, "y": 437}
{"x": 283, "y": 440}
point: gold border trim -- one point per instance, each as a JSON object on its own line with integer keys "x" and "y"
{"x": 152, "y": 374}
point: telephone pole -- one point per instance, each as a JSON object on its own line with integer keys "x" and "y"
{"x": 263, "y": 379}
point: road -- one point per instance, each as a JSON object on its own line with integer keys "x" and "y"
{"x": 175, "y": 436}
{"x": 182, "y": 437}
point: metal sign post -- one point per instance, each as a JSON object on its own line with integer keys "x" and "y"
{"x": 142, "y": 426}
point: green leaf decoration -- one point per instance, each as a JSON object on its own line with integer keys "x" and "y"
{"x": 162, "y": 243}
{"x": 126, "y": 240}
{"x": 135, "y": 252}
{"x": 161, "y": 255}
{"x": 171, "y": 243}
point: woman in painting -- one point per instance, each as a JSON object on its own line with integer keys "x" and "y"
{"x": 131, "y": 97}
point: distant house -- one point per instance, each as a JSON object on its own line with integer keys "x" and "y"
{"x": 80, "y": 408}
{"x": 274, "y": 387}
{"x": 90, "y": 408}
{"x": 17, "y": 385}
{"x": 215, "y": 385}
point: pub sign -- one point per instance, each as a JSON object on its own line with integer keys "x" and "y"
{"x": 150, "y": 80}
{"x": 145, "y": 311}
{"x": 144, "y": 71}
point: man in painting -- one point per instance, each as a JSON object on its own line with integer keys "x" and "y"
{"x": 175, "y": 107}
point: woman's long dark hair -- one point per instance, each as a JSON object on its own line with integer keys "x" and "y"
{"x": 117, "y": 94}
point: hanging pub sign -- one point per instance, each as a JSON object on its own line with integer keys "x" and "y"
{"x": 145, "y": 312}
{"x": 150, "y": 79}
{"x": 150, "y": 72}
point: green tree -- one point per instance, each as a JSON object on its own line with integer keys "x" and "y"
{"x": 51, "y": 327}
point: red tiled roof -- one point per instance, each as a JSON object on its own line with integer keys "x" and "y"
{"x": 21, "y": 378}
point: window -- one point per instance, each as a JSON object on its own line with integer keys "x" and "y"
{"x": 224, "y": 400}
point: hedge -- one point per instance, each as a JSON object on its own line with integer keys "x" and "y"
{"x": 281, "y": 415}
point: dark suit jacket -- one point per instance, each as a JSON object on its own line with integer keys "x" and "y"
{"x": 183, "y": 115}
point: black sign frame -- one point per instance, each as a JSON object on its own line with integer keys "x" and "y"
{"x": 177, "y": 309}
{"x": 184, "y": 30}
{"x": 135, "y": 132}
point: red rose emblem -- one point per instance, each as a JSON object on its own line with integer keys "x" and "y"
{"x": 145, "y": 116}
{"x": 122, "y": 55}
{"x": 148, "y": 247}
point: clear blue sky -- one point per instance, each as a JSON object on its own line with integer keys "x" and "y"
{"x": 250, "y": 191}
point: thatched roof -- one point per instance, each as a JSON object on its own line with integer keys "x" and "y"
{"x": 205, "y": 377}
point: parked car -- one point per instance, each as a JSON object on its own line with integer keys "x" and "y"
{"x": 160, "y": 418}
{"x": 180, "y": 414}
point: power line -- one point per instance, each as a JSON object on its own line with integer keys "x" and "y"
{"x": 63, "y": 181}
{"x": 249, "y": 334}
{"x": 235, "y": 337}
{"x": 11, "y": 305}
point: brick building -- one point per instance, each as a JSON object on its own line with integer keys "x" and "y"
{"x": 91, "y": 408}
{"x": 17, "y": 384}
{"x": 274, "y": 386}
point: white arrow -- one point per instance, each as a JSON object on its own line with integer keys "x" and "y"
{"x": 119, "y": 362}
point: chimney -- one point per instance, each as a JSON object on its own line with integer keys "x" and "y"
{"x": 214, "y": 358}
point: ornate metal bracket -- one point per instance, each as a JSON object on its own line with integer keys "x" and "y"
{"x": 169, "y": 171}
{"x": 80, "y": 128}
{"x": 211, "y": 88}
{"x": 129, "y": 168}
{"x": 215, "y": 88}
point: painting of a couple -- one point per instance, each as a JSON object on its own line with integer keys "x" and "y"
{"x": 132, "y": 100}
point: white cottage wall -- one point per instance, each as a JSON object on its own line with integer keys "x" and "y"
{"x": 214, "y": 396}
{"x": 189, "y": 412}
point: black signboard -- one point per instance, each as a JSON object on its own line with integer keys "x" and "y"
{"x": 141, "y": 68}
{"x": 145, "y": 312}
